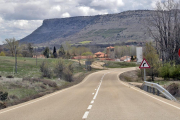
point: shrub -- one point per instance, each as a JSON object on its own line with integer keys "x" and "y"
{"x": 48, "y": 82}
{"x": 59, "y": 68}
{"x": 2, "y": 53}
{"x": 169, "y": 71}
{"x": 2, "y": 105}
{"x": 45, "y": 82}
{"x": 13, "y": 97}
{"x": 44, "y": 68}
{"x": 164, "y": 70}
{"x": 174, "y": 71}
{"x": 9, "y": 76}
{"x": 68, "y": 75}
{"x": 173, "y": 88}
{"x": 3, "y": 96}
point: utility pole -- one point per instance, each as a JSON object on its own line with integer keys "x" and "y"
{"x": 36, "y": 56}
{"x": 15, "y": 60}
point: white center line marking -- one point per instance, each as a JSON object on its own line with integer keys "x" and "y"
{"x": 99, "y": 87}
{"x": 89, "y": 107}
{"x": 85, "y": 115}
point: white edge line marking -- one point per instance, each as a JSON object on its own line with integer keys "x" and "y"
{"x": 93, "y": 93}
{"x": 149, "y": 95}
{"x": 46, "y": 96}
{"x": 85, "y": 115}
{"x": 89, "y": 107}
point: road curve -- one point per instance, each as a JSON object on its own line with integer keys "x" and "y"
{"x": 101, "y": 96}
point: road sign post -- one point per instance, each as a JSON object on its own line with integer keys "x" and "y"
{"x": 144, "y": 74}
{"x": 144, "y": 64}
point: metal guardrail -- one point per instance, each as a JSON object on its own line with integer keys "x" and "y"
{"x": 150, "y": 87}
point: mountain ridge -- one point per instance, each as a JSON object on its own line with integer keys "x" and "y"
{"x": 109, "y": 28}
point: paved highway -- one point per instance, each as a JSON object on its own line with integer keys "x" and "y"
{"x": 101, "y": 96}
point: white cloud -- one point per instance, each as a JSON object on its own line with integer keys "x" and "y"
{"x": 65, "y": 15}
{"x": 1, "y": 20}
{"x": 58, "y": 8}
{"x": 17, "y": 28}
{"x": 19, "y": 18}
{"x": 107, "y": 3}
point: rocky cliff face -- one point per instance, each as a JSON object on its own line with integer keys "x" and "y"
{"x": 110, "y": 28}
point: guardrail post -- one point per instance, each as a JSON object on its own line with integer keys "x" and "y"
{"x": 158, "y": 92}
{"x": 150, "y": 89}
{"x": 145, "y": 88}
{"x": 153, "y": 90}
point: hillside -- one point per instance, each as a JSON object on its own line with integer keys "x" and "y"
{"x": 110, "y": 28}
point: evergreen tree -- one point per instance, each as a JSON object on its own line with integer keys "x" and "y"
{"x": 30, "y": 49}
{"x": 46, "y": 52}
{"x": 61, "y": 52}
{"x": 54, "y": 52}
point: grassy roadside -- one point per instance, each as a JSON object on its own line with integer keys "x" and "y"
{"x": 28, "y": 83}
{"x": 24, "y": 90}
{"x": 170, "y": 85}
{"x": 112, "y": 64}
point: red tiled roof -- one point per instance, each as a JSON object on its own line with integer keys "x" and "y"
{"x": 99, "y": 53}
{"x": 110, "y": 47}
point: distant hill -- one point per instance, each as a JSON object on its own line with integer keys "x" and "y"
{"x": 110, "y": 28}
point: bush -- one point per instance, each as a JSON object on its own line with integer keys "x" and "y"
{"x": 3, "y": 96}
{"x": 59, "y": 68}
{"x": 173, "y": 88}
{"x": 45, "y": 82}
{"x": 164, "y": 70}
{"x": 44, "y": 68}
{"x": 9, "y": 76}
{"x": 68, "y": 75}
{"x": 48, "y": 82}
{"x": 174, "y": 71}
{"x": 170, "y": 71}
{"x": 2, "y": 105}
{"x": 2, "y": 53}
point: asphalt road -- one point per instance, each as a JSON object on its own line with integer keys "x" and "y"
{"x": 101, "y": 96}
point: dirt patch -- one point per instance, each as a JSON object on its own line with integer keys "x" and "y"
{"x": 98, "y": 65}
{"x": 130, "y": 76}
{"x": 174, "y": 89}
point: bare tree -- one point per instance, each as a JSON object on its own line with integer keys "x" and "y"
{"x": 164, "y": 27}
{"x": 10, "y": 44}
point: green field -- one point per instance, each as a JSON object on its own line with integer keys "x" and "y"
{"x": 20, "y": 90}
{"x": 26, "y": 67}
{"x": 85, "y": 42}
{"x": 112, "y": 64}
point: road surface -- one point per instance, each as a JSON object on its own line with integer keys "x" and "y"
{"x": 101, "y": 96}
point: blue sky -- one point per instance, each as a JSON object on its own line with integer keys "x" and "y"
{"x": 19, "y": 18}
